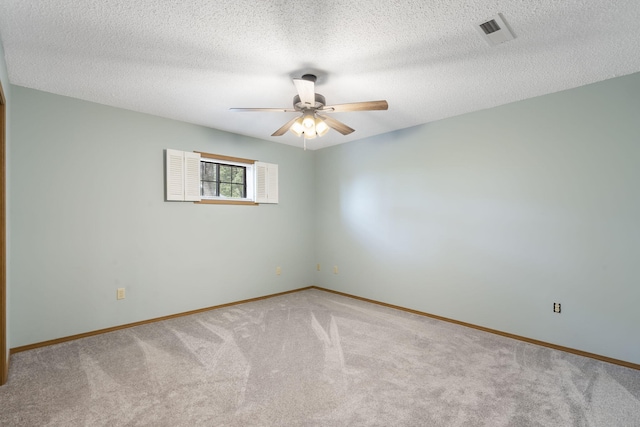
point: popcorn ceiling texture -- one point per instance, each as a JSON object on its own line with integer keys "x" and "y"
{"x": 192, "y": 60}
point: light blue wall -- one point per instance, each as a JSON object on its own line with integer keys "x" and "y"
{"x": 6, "y": 87}
{"x": 486, "y": 218}
{"x": 89, "y": 216}
{"x": 490, "y": 217}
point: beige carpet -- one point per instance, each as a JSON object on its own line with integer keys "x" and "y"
{"x": 312, "y": 358}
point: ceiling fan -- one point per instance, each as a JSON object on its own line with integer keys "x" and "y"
{"x": 312, "y": 122}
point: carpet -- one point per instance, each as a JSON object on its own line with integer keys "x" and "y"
{"x": 312, "y": 358}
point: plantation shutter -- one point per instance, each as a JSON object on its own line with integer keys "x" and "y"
{"x": 272, "y": 183}
{"x": 182, "y": 176}
{"x": 174, "y": 175}
{"x": 266, "y": 182}
{"x": 192, "y": 177}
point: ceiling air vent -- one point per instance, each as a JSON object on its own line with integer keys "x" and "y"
{"x": 495, "y": 30}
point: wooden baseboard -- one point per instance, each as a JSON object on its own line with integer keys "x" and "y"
{"x": 144, "y": 322}
{"x": 493, "y": 331}
{"x": 4, "y": 375}
{"x": 397, "y": 307}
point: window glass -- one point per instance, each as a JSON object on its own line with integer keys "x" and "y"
{"x": 222, "y": 180}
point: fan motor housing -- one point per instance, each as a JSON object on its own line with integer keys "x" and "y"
{"x": 320, "y": 102}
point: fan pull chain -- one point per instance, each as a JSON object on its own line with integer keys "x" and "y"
{"x": 305, "y": 143}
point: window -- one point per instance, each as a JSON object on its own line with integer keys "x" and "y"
{"x": 213, "y": 178}
{"x": 217, "y": 179}
{"x": 226, "y": 179}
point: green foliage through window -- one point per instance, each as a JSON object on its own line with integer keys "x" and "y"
{"x": 222, "y": 180}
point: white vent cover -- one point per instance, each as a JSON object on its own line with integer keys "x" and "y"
{"x": 495, "y": 30}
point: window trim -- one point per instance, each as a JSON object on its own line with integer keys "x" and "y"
{"x": 226, "y": 202}
{"x": 226, "y": 158}
{"x": 223, "y": 201}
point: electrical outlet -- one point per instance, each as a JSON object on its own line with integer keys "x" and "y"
{"x": 318, "y": 267}
{"x": 335, "y": 269}
{"x": 278, "y": 271}
{"x": 120, "y": 293}
{"x": 556, "y": 307}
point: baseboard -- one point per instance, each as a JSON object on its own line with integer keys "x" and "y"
{"x": 493, "y": 331}
{"x": 144, "y": 322}
{"x": 4, "y": 375}
{"x": 397, "y": 307}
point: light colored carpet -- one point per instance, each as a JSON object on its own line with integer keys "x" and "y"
{"x": 312, "y": 358}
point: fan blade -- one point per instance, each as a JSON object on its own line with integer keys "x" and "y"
{"x": 337, "y": 125}
{"x": 356, "y": 106}
{"x": 269, "y": 110}
{"x": 306, "y": 90}
{"x": 284, "y": 128}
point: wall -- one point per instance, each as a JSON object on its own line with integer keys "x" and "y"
{"x": 486, "y": 218}
{"x": 490, "y": 217}
{"x": 6, "y": 87}
{"x": 89, "y": 216}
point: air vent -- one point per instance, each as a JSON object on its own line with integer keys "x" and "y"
{"x": 490, "y": 27}
{"x": 495, "y": 30}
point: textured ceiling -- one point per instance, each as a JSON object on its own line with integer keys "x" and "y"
{"x": 192, "y": 60}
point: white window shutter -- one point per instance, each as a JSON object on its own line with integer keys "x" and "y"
{"x": 261, "y": 182}
{"x": 266, "y": 182}
{"x": 191, "y": 177}
{"x": 272, "y": 183}
{"x": 175, "y": 175}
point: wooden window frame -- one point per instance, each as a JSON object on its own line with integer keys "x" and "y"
{"x": 226, "y": 159}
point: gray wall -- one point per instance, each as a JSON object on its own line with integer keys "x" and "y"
{"x": 6, "y": 87}
{"x": 89, "y": 216}
{"x": 492, "y": 216}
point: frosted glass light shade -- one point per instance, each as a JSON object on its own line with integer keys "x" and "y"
{"x": 297, "y": 128}
{"x": 321, "y": 127}
{"x": 308, "y": 121}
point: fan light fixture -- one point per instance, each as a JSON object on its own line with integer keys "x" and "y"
{"x": 313, "y": 122}
{"x": 309, "y": 126}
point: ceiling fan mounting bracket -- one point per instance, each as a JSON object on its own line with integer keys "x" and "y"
{"x": 299, "y": 106}
{"x": 309, "y": 77}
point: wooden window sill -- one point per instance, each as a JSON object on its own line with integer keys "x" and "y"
{"x": 226, "y": 202}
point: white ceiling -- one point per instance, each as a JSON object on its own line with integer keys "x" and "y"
{"x": 192, "y": 60}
